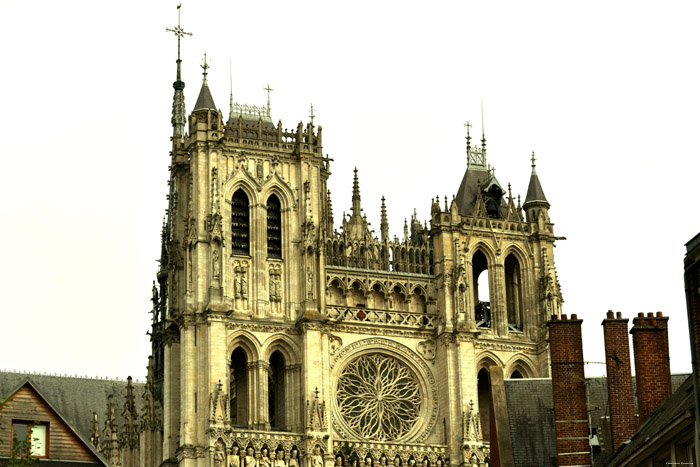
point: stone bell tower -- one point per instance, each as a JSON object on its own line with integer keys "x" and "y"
{"x": 279, "y": 341}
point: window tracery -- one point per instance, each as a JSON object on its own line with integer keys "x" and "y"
{"x": 379, "y": 397}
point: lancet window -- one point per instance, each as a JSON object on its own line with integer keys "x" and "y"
{"x": 514, "y": 294}
{"x": 276, "y": 392}
{"x": 239, "y": 388}
{"x": 274, "y": 227}
{"x": 240, "y": 224}
{"x": 482, "y": 304}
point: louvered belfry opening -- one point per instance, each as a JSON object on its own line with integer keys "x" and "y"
{"x": 240, "y": 224}
{"x": 274, "y": 227}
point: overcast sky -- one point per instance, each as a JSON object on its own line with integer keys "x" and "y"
{"x": 605, "y": 93}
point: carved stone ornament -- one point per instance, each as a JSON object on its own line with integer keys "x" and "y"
{"x": 383, "y": 392}
{"x": 334, "y": 343}
{"x": 427, "y": 349}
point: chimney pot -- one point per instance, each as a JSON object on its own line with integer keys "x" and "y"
{"x": 574, "y": 316}
{"x": 640, "y": 315}
{"x": 619, "y": 315}
{"x": 659, "y": 314}
{"x": 610, "y": 314}
{"x": 564, "y": 317}
{"x": 650, "y": 315}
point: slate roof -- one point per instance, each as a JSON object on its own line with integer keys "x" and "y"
{"x": 468, "y": 189}
{"x": 680, "y": 402}
{"x": 534, "y": 190}
{"x": 531, "y": 418}
{"x": 205, "y": 101}
{"x": 75, "y": 398}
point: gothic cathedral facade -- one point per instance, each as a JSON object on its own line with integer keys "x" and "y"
{"x": 278, "y": 339}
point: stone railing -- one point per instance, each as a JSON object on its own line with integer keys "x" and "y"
{"x": 383, "y": 317}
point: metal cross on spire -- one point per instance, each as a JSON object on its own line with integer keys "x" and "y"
{"x": 205, "y": 67}
{"x": 311, "y": 113}
{"x": 268, "y": 89}
{"x": 178, "y": 31}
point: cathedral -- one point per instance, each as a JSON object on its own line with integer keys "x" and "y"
{"x": 282, "y": 336}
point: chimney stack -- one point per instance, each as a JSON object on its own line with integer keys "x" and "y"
{"x": 651, "y": 362}
{"x": 569, "y": 391}
{"x": 619, "y": 370}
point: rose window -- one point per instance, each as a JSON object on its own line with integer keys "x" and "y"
{"x": 379, "y": 397}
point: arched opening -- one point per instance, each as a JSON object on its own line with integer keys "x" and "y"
{"x": 335, "y": 294}
{"x": 398, "y": 299}
{"x": 357, "y": 295}
{"x": 240, "y": 223}
{"x": 485, "y": 404}
{"x": 274, "y": 227}
{"x": 239, "y": 388}
{"x": 276, "y": 392}
{"x": 514, "y": 294}
{"x": 417, "y": 301}
{"x": 516, "y": 375}
{"x": 376, "y": 298}
{"x": 482, "y": 302}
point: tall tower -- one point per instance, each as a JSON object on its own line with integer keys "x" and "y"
{"x": 279, "y": 340}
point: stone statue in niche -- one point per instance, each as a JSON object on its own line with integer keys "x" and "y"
{"x": 249, "y": 457}
{"x": 217, "y": 264}
{"x": 294, "y": 458}
{"x": 219, "y": 456}
{"x": 234, "y": 459}
{"x": 338, "y": 461}
{"x": 279, "y": 459}
{"x": 317, "y": 457}
{"x": 264, "y": 458}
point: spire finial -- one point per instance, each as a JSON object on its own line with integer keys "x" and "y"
{"x": 205, "y": 67}
{"x": 469, "y": 140}
{"x": 230, "y": 78}
{"x": 268, "y": 89}
{"x": 533, "y": 159}
{"x": 311, "y": 113}
{"x": 179, "y": 32}
{"x": 356, "y": 209}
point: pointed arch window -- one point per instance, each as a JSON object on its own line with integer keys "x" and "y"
{"x": 482, "y": 303}
{"x": 514, "y": 294}
{"x": 276, "y": 392}
{"x": 274, "y": 227}
{"x": 239, "y": 388}
{"x": 240, "y": 224}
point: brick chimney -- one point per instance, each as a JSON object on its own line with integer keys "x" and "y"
{"x": 619, "y": 369}
{"x": 651, "y": 362}
{"x": 569, "y": 391}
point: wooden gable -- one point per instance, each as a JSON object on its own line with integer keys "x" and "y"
{"x": 63, "y": 443}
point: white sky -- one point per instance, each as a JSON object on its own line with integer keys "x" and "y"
{"x": 606, "y": 93}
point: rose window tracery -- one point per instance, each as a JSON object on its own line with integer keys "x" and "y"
{"x": 379, "y": 397}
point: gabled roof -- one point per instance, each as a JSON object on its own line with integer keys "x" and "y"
{"x": 85, "y": 439}
{"x": 676, "y": 408}
{"x": 74, "y": 399}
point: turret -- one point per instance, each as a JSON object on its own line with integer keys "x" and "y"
{"x": 536, "y": 203}
{"x": 178, "y": 119}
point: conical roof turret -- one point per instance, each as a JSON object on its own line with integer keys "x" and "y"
{"x": 205, "y": 101}
{"x": 535, "y": 193}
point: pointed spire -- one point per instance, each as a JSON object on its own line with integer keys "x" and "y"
{"x": 268, "y": 89}
{"x": 178, "y": 119}
{"x": 205, "y": 101}
{"x": 230, "y": 78}
{"x": 330, "y": 213}
{"x": 311, "y": 114}
{"x": 356, "y": 209}
{"x": 535, "y": 193}
{"x": 384, "y": 224}
{"x": 405, "y": 230}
